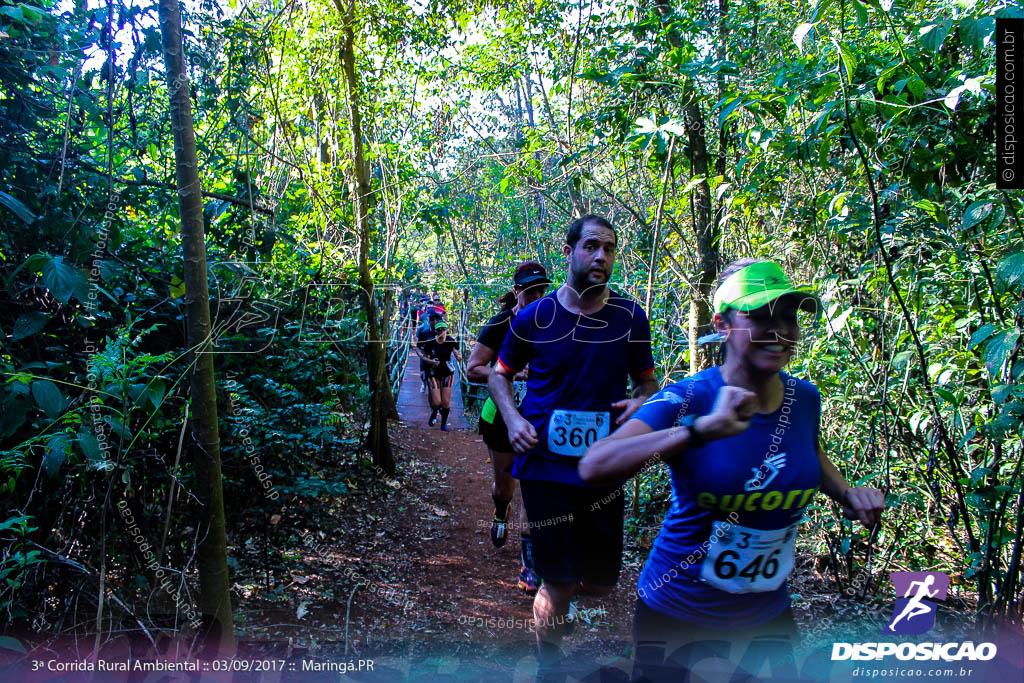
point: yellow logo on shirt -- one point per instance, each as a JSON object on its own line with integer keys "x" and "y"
{"x": 757, "y": 500}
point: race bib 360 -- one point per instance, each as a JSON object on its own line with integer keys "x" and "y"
{"x": 571, "y": 432}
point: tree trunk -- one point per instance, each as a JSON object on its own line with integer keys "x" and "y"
{"x": 320, "y": 114}
{"x": 458, "y": 251}
{"x": 542, "y": 209}
{"x": 723, "y": 130}
{"x": 695, "y": 356}
{"x": 705, "y": 228}
{"x": 204, "y": 442}
{"x": 381, "y": 400}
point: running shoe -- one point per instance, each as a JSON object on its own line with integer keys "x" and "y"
{"x": 499, "y": 528}
{"x": 529, "y": 582}
{"x": 433, "y": 418}
{"x": 445, "y": 428}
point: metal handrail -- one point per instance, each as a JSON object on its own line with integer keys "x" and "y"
{"x": 402, "y": 353}
{"x": 470, "y": 390}
{"x": 396, "y": 359}
{"x": 463, "y": 349}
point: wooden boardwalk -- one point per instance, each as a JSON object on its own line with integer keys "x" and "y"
{"x": 413, "y": 407}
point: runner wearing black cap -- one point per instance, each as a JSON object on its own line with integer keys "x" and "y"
{"x": 439, "y": 353}
{"x": 582, "y": 343}
{"x": 531, "y": 282}
{"x": 424, "y": 334}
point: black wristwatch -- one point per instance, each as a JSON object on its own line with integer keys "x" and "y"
{"x": 690, "y": 422}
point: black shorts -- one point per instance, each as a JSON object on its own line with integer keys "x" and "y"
{"x": 667, "y": 649}
{"x": 496, "y": 434}
{"x": 576, "y": 530}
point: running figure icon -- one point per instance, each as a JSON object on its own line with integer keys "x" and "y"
{"x": 764, "y": 474}
{"x": 914, "y": 608}
{"x": 914, "y": 611}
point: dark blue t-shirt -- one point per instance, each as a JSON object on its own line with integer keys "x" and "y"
{"x": 763, "y": 478}
{"x": 578, "y": 362}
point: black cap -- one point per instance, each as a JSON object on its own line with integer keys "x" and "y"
{"x": 531, "y": 273}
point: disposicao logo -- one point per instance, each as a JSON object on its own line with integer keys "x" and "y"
{"x": 913, "y": 614}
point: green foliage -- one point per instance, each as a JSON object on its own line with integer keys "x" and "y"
{"x": 18, "y": 557}
{"x": 94, "y": 365}
{"x": 921, "y": 268}
{"x": 851, "y": 140}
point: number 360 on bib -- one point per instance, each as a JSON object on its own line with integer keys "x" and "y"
{"x": 572, "y": 432}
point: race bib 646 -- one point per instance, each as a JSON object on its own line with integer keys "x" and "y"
{"x": 746, "y": 560}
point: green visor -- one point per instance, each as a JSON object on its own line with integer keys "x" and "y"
{"x": 441, "y": 326}
{"x": 759, "y": 284}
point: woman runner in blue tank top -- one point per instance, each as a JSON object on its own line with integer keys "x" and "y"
{"x": 742, "y": 443}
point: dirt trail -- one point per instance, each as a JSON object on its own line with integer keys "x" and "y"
{"x": 402, "y": 571}
{"x": 446, "y": 477}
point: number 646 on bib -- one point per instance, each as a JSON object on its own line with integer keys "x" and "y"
{"x": 745, "y": 560}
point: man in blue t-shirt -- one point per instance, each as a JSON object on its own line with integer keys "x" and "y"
{"x": 582, "y": 343}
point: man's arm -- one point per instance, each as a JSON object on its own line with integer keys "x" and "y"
{"x": 521, "y": 433}
{"x": 422, "y": 353}
{"x": 641, "y": 366}
{"x": 644, "y": 387}
{"x": 478, "y": 366}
